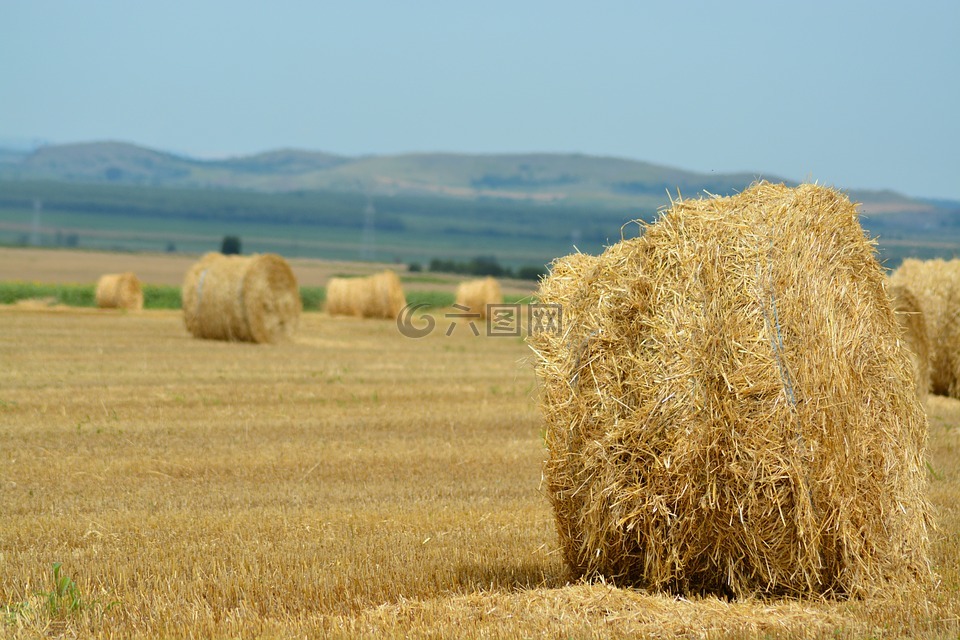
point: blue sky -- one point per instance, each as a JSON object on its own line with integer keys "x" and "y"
{"x": 850, "y": 94}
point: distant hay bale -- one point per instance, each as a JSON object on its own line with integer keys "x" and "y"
{"x": 914, "y": 333}
{"x": 377, "y": 296}
{"x": 475, "y": 295}
{"x": 241, "y": 298}
{"x": 339, "y": 301}
{"x": 389, "y": 299}
{"x": 936, "y": 285}
{"x": 119, "y": 291}
{"x": 727, "y": 406}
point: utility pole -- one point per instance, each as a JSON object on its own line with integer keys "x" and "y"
{"x": 35, "y": 228}
{"x": 368, "y": 239}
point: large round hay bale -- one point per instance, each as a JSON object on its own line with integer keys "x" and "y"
{"x": 914, "y": 334}
{"x": 475, "y": 295}
{"x": 727, "y": 406}
{"x": 119, "y": 291}
{"x": 936, "y": 285}
{"x": 242, "y": 298}
{"x": 376, "y": 296}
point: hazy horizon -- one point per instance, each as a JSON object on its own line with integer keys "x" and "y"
{"x": 857, "y": 95}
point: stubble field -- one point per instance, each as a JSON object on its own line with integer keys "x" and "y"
{"x": 350, "y": 483}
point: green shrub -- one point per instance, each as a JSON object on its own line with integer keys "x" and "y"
{"x": 74, "y": 295}
{"x": 161, "y": 296}
{"x": 313, "y": 298}
{"x": 431, "y": 298}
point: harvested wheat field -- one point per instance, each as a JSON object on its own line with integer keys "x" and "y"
{"x": 347, "y": 483}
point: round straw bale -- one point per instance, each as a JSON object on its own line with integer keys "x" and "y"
{"x": 914, "y": 334}
{"x": 241, "y": 298}
{"x": 728, "y": 409}
{"x": 388, "y": 300}
{"x": 339, "y": 301}
{"x": 119, "y": 291}
{"x": 936, "y": 285}
{"x": 477, "y": 294}
{"x": 376, "y": 296}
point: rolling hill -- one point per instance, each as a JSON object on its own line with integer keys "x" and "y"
{"x": 521, "y": 208}
{"x": 544, "y": 178}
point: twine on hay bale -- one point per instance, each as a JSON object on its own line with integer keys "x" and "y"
{"x": 914, "y": 334}
{"x": 475, "y": 295}
{"x": 241, "y": 298}
{"x": 119, "y": 291}
{"x": 727, "y": 406}
{"x": 936, "y": 285}
{"x": 377, "y": 296}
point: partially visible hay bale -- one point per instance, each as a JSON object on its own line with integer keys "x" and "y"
{"x": 727, "y": 406}
{"x": 243, "y": 298}
{"x": 914, "y": 334}
{"x": 475, "y": 295}
{"x": 119, "y": 291}
{"x": 936, "y": 285}
{"x": 377, "y": 296}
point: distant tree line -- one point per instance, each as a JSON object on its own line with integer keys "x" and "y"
{"x": 485, "y": 266}
{"x": 61, "y": 239}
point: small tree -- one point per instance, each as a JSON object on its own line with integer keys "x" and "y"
{"x": 442, "y": 265}
{"x": 230, "y": 245}
{"x": 486, "y": 266}
{"x": 529, "y": 272}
